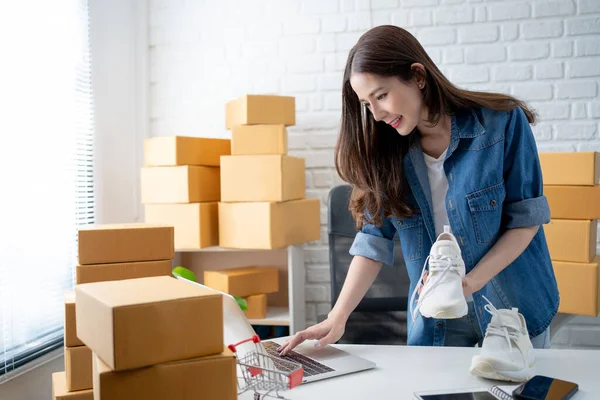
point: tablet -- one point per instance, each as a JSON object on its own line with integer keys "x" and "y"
{"x": 458, "y": 394}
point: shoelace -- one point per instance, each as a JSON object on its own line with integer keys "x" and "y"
{"x": 441, "y": 264}
{"x": 508, "y": 331}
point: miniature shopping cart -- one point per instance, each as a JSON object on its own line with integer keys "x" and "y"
{"x": 266, "y": 374}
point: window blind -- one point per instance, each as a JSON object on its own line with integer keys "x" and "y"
{"x": 46, "y": 170}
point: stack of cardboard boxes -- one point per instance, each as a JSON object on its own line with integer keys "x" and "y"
{"x": 263, "y": 204}
{"x": 155, "y": 338}
{"x": 572, "y": 186}
{"x": 181, "y": 187}
{"x": 75, "y": 382}
{"x": 107, "y": 253}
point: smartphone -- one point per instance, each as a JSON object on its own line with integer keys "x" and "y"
{"x": 545, "y": 388}
{"x": 456, "y": 394}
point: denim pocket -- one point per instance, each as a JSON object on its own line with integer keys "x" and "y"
{"x": 486, "y": 212}
{"x": 410, "y": 233}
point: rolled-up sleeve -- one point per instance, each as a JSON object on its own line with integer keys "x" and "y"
{"x": 375, "y": 243}
{"x": 525, "y": 204}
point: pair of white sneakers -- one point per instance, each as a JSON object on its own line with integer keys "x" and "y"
{"x": 507, "y": 353}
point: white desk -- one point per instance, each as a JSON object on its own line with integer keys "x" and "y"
{"x": 403, "y": 370}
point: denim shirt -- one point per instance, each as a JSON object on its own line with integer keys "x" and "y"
{"x": 495, "y": 183}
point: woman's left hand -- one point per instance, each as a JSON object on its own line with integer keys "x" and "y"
{"x": 471, "y": 285}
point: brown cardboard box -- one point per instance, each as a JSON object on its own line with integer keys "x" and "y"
{"x": 244, "y": 281}
{"x": 59, "y": 389}
{"x": 184, "y": 150}
{"x": 71, "y": 339}
{"x": 118, "y": 271}
{"x": 578, "y": 287}
{"x": 139, "y": 322}
{"x": 183, "y": 184}
{"x": 196, "y": 225}
{"x": 269, "y": 225}
{"x": 258, "y": 139}
{"x": 581, "y": 168}
{"x": 573, "y": 202}
{"x": 78, "y": 367}
{"x": 260, "y": 109}
{"x": 571, "y": 240}
{"x": 212, "y": 377}
{"x": 257, "y": 306}
{"x": 262, "y": 178}
{"x": 100, "y": 244}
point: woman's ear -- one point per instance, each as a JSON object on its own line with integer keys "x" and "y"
{"x": 419, "y": 74}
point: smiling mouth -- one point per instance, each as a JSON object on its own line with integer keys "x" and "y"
{"x": 394, "y": 123}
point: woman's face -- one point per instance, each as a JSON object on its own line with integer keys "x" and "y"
{"x": 391, "y": 100}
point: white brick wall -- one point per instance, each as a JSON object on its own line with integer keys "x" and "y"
{"x": 206, "y": 53}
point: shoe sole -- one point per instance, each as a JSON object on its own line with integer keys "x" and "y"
{"x": 484, "y": 369}
{"x": 445, "y": 314}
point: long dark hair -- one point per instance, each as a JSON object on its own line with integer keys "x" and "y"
{"x": 369, "y": 154}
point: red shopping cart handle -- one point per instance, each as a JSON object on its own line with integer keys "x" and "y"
{"x": 254, "y": 339}
{"x": 296, "y": 378}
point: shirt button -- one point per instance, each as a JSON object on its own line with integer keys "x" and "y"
{"x": 493, "y": 203}
{"x": 399, "y": 223}
{"x": 440, "y": 324}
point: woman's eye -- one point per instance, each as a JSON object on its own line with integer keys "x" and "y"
{"x": 381, "y": 96}
{"x": 367, "y": 105}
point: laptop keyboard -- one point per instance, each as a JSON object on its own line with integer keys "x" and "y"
{"x": 311, "y": 367}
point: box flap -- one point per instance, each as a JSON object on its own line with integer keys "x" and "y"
{"x": 106, "y": 227}
{"x": 143, "y": 290}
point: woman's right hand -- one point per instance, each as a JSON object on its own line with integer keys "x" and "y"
{"x": 326, "y": 332}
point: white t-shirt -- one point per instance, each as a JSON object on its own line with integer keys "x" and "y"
{"x": 439, "y": 187}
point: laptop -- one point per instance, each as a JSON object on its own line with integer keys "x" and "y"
{"x": 318, "y": 364}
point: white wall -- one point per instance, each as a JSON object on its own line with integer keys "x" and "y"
{"x": 203, "y": 54}
{"x": 118, "y": 42}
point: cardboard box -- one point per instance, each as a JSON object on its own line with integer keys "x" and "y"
{"x": 118, "y": 271}
{"x": 262, "y": 178}
{"x": 139, "y": 322}
{"x": 581, "y": 168}
{"x": 258, "y": 139}
{"x": 183, "y": 184}
{"x": 78, "y": 367}
{"x": 573, "y": 202}
{"x": 269, "y": 225}
{"x": 60, "y": 392}
{"x": 212, "y": 377}
{"x": 71, "y": 339}
{"x": 244, "y": 281}
{"x": 196, "y": 225}
{"x": 184, "y": 150}
{"x": 101, "y": 244}
{"x": 578, "y": 287}
{"x": 571, "y": 240}
{"x": 257, "y": 306}
{"x": 260, "y": 109}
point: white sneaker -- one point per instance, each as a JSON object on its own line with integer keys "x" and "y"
{"x": 442, "y": 294}
{"x": 507, "y": 353}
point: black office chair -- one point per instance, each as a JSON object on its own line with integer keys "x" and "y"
{"x": 380, "y": 318}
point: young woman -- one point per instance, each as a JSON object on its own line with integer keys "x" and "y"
{"x": 421, "y": 153}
